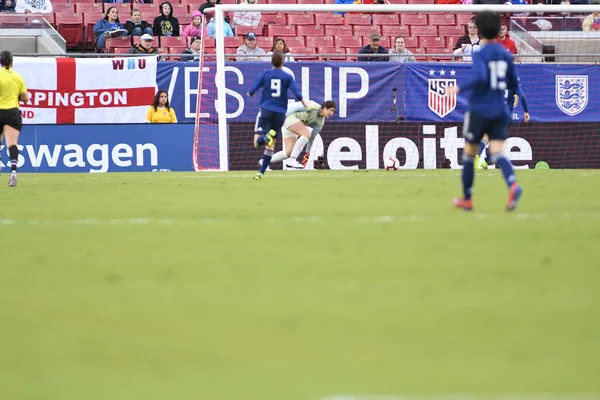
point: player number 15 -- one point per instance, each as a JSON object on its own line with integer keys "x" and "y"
{"x": 498, "y": 74}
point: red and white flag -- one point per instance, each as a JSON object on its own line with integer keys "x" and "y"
{"x": 87, "y": 91}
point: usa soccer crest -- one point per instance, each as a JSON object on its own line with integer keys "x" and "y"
{"x": 571, "y": 93}
{"x": 438, "y": 101}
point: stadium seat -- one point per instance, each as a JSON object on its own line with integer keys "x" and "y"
{"x": 436, "y": 50}
{"x": 301, "y": 19}
{"x": 63, "y": 7}
{"x": 393, "y": 31}
{"x": 312, "y": 30}
{"x": 423, "y": 30}
{"x": 447, "y": 31}
{"x": 463, "y": 18}
{"x": 442, "y": 19}
{"x": 411, "y": 42}
{"x": 89, "y": 20}
{"x": 398, "y": 1}
{"x": 13, "y": 21}
{"x": 281, "y": 31}
{"x": 421, "y": 1}
{"x": 451, "y": 42}
{"x": 357, "y": 19}
{"x": 173, "y": 41}
{"x": 83, "y": 8}
{"x": 311, "y": 1}
{"x": 274, "y": 19}
{"x": 149, "y": 11}
{"x": 348, "y": 41}
{"x": 386, "y": 19}
{"x": 264, "y": 42}
{"x": 280, "y": 2}
{"x": 413, "y": 19}
{"x": 209, "y": 42}
{"x": 192, "y": 4}
{"x": 328, "y": 19}
{"x": 179, "y": 11}
{"x": 48, "y": 17}
{"x": 385, "y": 41}
{"x": 310, "y": 54}
{"x": 233, "y": 41}
{"x": 352, "y": 50}
{"x": 124, "y": 10}
{"x": 87, "y": 1}
{"x": 430, "y": 42}
{"x": 295, "y": 42}
{"x": 225, "y": 2}
{"x": 338, "y": 30}
{"x": 320, "y": 41}
{"x": 118, "y": 42}
{"x": 418, "y": 52}
{"x": 365, "y": 31}
{"x": 70, "y": 27}
{"x": 120, "y": 50}
{"x": 336, "y": 53}
{"x": 243, "y": 30}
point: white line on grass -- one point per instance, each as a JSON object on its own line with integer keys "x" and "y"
{"x": 380, "y": 219}
{"x": 472, "y": 396}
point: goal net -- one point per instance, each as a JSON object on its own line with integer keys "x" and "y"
{"x": 395, "y": 105}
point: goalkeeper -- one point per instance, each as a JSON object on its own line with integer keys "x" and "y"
{"x": 301, "y": 126}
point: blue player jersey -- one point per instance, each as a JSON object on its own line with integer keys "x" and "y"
{"x": 492, "y": 74}
{"x": 511, "y": 99}
{"x": 275, "y": 83}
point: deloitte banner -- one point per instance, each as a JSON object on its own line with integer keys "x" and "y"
{"x": 104, "y": 148}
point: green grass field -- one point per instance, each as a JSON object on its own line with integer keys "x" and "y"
{"x": 298, "y": 287}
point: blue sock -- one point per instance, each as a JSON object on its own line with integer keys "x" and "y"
{"x": 482, "y": 145}
{"x": 506, "y": 167}
{"x": 468, "y": 175}
{"x": 261, "y": 140}
{"x": 268, "y": 154}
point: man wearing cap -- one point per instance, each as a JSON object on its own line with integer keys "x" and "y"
{"x": 193, "y": 51}
{"x": 249, "y": 50}
{"x": 373, "y": 48}
{"x": 144, "y": 46}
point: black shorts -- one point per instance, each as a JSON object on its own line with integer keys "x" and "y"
{"x": 267, "y": 120}
{"x": 11, "y": 118}
{"x": 477, "y": 125}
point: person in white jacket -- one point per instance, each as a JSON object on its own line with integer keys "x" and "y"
{"x": 246, "y": 18}
{"x": 33, "y": 7}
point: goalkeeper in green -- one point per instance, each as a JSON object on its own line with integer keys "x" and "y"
{"x": 301, "y": 126}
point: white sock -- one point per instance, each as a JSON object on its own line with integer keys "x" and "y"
{"x": 278, "y": 157}
{"x": 300, "y": 143}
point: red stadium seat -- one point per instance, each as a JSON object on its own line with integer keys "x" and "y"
{"x": 442, "y": 19}
{"x": 123, "y": 8}
{"x": 311, "y": 1}
{"x": 179, "y": 11}
{"x": 63, "y": 7}
{"x": 423, "y": 30}
{"x": 149, "y": 11}
{"x": 173, "y": 41}
{"x": 338, "y": 30}
{"x": 280, "y": 2}
{"x": 352, "y": 50}
{"x": 13, "y": 21}
{"x": 365, "y": 31}
{"x": 310, "y": 54}
{"x": 385, "y": 41}
{"x": 411, "y": 42}
{"x": 357, "y": 19}
{"x": 209, "y": 42}
{"x": 264, "y": 42}
{"x": 320, "y": 41}
{"x": 413, "y": 19}
{"x": 120, "y": 50}
{"x": 312, "y": 30}
{"x": 70, "y": 27}
{"x": 398, "y": 1}
{"x": 83, "y": 8}
{"x": 393, "y": 31}
{"x": 89, "y": 20}
{"x": 421, "y": 2}
{"x": 463, "y": 18}
{"x": 192, "y": 4}
{"x": 233, "y": 41}
{"x": 446, "y": 31}
{"x": 348, "y": 41}
{"x": 274, "y": 19}
{"x": 295, "y": 42}
{"x": 301, "y": 19}
{"x": 430, "y": 42}
{"x": 118, "y": 42}
{"x": 328, "y": 19}
{"x": 48, "y": 17}
{"x": 386, "y": 19}
{"x": 436, "y": 50}
{"x": 281, "y": 31}
{"x": 243, "y": 30}
{"x": 336, "y": 53}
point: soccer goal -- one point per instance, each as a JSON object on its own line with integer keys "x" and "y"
{"x": 395, "y": 105}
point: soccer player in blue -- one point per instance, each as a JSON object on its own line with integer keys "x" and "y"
{"x": 275, "y": 83}
{"x": 512, "y": 98}
{"x": 493, "y": 73}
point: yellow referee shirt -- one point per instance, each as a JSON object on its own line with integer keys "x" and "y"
{"x": 11, "y": 85}
{"x": 161, "y": 115}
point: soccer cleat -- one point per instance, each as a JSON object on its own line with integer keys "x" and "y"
{"x": 260, "y": 162}
{"x": 483, "y": 165}
{"x": 270, "y": 137}
{"x": 293, "y": 164}
{"x": 305, "y": 159}
{"x": 466, "y": 205}
{"x": 12, "y": 180}
{"x": 514, "y": 194}
{"x": 476, "y": 162}
{"x": 258, "y": 176}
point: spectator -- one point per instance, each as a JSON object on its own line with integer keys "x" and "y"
{"x": 136, "y": 26}
{"x": 211, "y": 28}
{"x": 504, "y": 38}
{"x": 160, "y": 112}
{"x": 166, "y": 24}
{"x": 400, "y": 53}
{"x": 195, "y": 27}
{"x": 109, "y": 26}
{"x": 449, "y": 2}
{"x": 33, "y": 7}
{"x": 591, "y": 23}
{"x": 471, "y": 38}
{"x": 246, "y": 18}
{"x": 571, "y": 23}
{"x": 373, "y": 48}
{"x": 7, "y": 5}
{"x": 144, "y": 46}
{"x": 280, "y": 46}
{"x": 193, "y": 50}
{"x": 208, "y": 4}
{"x": 250, "y": 48}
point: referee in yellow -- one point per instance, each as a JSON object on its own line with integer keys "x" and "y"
{"x": 12, "y": 89}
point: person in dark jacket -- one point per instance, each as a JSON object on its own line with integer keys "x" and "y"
{"x": 208, "y": 4}
{"x": 373, "y": 48}
{"x": 144, "y": 46}
{"x": 109, "y": 26}
{"x": 7, "y": 5}
{"x": 166, "y": 24}
{"x": 136, "y": 26}
{"x": 193, "y": 50}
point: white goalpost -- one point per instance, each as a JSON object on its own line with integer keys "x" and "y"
{"x": 220, "y": 103}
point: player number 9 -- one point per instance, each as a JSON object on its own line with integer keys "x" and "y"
{"x": 276, "y": 87}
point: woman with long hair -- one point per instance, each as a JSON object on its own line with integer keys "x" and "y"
{"x": 280, "y": 46}
{"x": 12, "y": 90}
{"x": 160, "y": 112}
{"x": 109, "y": 26}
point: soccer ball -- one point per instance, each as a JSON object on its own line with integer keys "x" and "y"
{"x": 392, "y": 164}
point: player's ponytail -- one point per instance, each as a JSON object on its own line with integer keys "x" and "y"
{"x": 6, "y": 59}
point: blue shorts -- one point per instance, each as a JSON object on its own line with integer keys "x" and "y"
{"x": 476, "y": 125}
{"x": 267, "y": 120}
